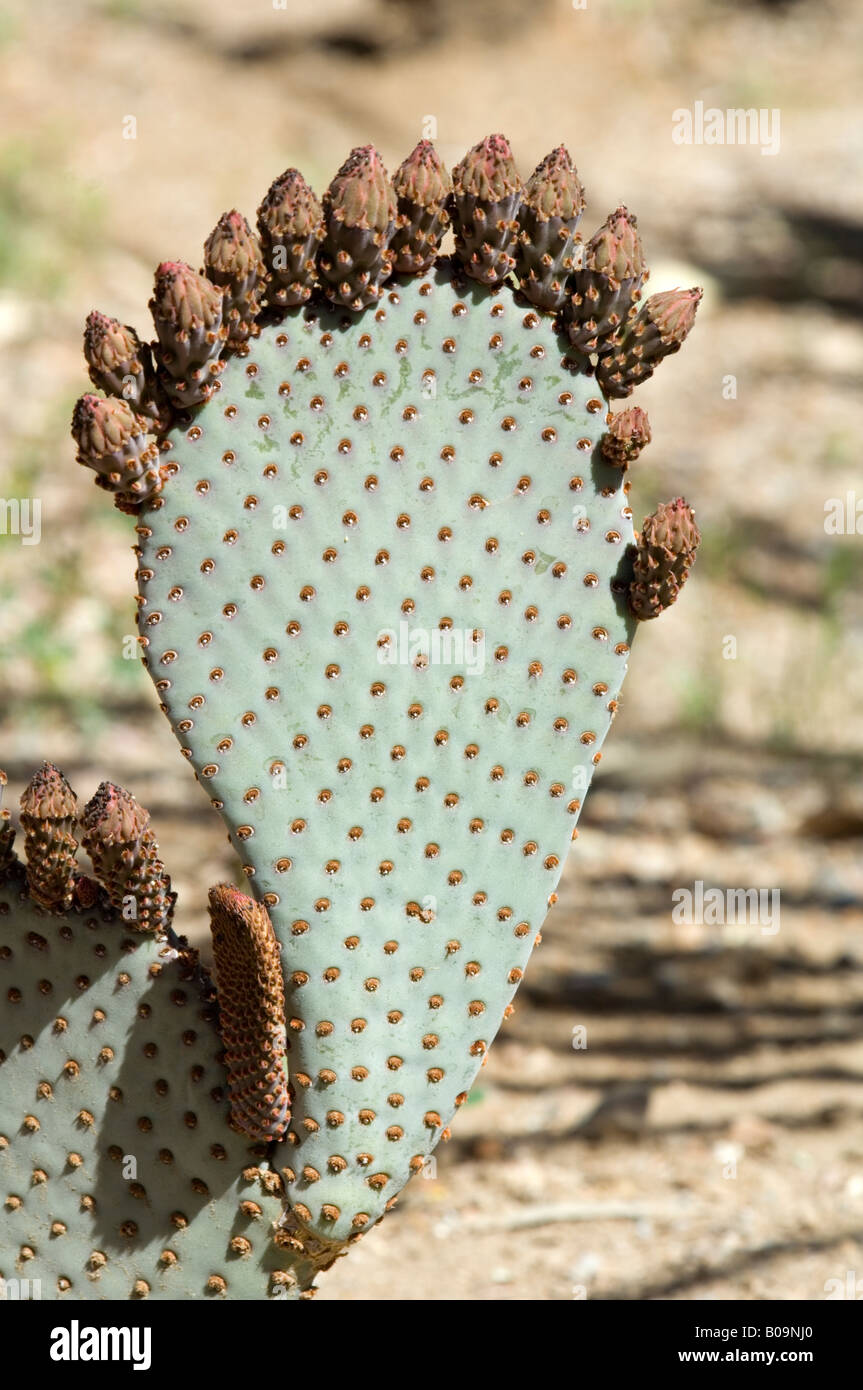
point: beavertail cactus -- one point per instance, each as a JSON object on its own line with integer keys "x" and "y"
{"x": 121, "y": 1175}
{"x": 487, "y": 196}
{"x": 360, "y": 212}
{"x": 551, "y": 211}
{"x": 664, "y": 556}
{"x": 606, "y": 287}
{"x": 387, "y": 588}
{"x": 659, "y": 329}
{"x": 291, "y": 229}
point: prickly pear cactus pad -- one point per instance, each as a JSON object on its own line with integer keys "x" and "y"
{"x": 384, "y": 593}
{"x": 119, "y": 1173}
{"x": 402, "y": 807}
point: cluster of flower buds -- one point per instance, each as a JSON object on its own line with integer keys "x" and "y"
{"x": 346, "y": 248}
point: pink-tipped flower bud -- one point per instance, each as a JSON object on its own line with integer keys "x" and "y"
{"x": 291, "y": 227}
{"x": 664, "y": 556}
{"x": 554, "y": 188}
{"x": 360, "y": 212}
{"x": 658, "y": 330}
{"x": 488, "y": 171}
{"x": 114, "y": 442}
{"x": 49, "y": 814}
{"x": 125, "y": 855}
{"x": 232, "y": 260}
{"x": 616, "y": 248}
{"x": 607, "y": 286}
{"x": 549, "y": 215}
{"x": 188, "y": 312}
{"x": 627, "y": 434}
{"x": 361, "y": 194}
{"x": 487, "y": 192}
{"x": 423, "y": 188}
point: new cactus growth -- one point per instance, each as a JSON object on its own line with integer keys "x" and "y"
{"x": 606, "y": 287}
{"x": 120, "y": 1173}
{"x": 551, "y": 211}
{"x": 388, "y": 584}
{"x": 659, "y": 329}
{"x": 664, "y": 556}
{"x": 423, "y": 188}
{"x": 360, "y": 213}
{"x": 487, "y": 196}
{"x": 291, "y": 229}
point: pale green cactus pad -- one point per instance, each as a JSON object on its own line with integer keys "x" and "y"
{"x": 387, "y": 593}
{"x": 427, "y": 471}
{"x": 119, "y": 1174}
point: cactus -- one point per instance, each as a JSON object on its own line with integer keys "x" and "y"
{"x": 551, "y": 211}
{"x": 487, "y": 197}
{"x": 423, "y": 189}
{"x": 388, "y": 584}
{"x": 663, "y": 558}
{"x": 120, "y": 1174}
{"x": 659, "y": 329}
{"x": 291, "y": 229}
{"x": 606, "y": 287}
{"x": 360, "y": 212}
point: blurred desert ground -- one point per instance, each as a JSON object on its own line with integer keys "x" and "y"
{"x": 729, "y": 1159}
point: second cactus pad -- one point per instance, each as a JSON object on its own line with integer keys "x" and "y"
{"x": 383, "y": 599}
